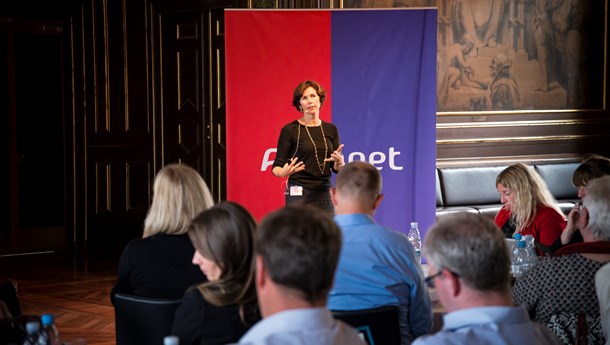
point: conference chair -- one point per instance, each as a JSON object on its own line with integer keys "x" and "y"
{"x": 142, "y": 320}
{"x": 377, "y": 326}
{"x": 8, "y": 295}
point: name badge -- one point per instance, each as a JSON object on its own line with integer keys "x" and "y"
{"x": 296, "y": 191}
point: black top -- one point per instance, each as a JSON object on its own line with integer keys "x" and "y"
{"x": 199, "y": 322}
{"x": 287, "y": 147}
{"x": 158, "y": 266}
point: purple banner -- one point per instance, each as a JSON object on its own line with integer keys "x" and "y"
{"x": 384, "y": 104}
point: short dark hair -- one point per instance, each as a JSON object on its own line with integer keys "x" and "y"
{"x": 300, "y": 248}
{"x": 359, "y": 180}
{"x": 592, "y": 166}
{"x": 298, "y": 93}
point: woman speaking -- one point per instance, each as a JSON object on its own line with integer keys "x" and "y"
{"x": 308, "y": 150}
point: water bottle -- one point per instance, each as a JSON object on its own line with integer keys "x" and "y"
{"x": 513, "y": 248}
{"x": 49, "y": 333}
{"x": 530, "y": 244}
{"x": 32, "y": 336}
{"x": 520, "y": 260}
{"x": 171, "y": 340}
{"x": 415, "y": 239}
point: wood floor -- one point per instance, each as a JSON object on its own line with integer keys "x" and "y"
{"x": 77, "y": 293}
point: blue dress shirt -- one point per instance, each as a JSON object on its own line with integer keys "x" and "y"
{"x": 378, "y": 267}
{"x": 490, "y": 325}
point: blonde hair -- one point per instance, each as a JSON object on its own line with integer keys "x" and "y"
{"x": 530, "y": 191}
{"x": 179, "y": 195}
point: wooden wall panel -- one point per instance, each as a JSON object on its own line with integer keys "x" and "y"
{"x": 137, "y": 77}
{"x": 118, "y": 109}
{"x": 216, "y": 130}
{"x": 182, "y": 89}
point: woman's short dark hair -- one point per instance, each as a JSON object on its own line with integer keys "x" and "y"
{"x": 298, "y": 93}
{"x": 592, "y": 166}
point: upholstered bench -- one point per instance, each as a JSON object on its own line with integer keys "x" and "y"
{"x": 473, "y": 189}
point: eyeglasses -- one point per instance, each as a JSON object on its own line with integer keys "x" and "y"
{"x": 430, "y": 279}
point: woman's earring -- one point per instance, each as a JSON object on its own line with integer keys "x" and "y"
{"x": 300, "y": 108}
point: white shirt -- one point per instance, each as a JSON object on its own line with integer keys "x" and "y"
{"x": 311, "y": 326}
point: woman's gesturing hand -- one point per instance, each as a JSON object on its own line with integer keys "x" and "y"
{"x": 290, "y": 168}
{"x": 337, "y": 158}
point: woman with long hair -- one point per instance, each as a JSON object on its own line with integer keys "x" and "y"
{"x": 158, "y": 265}
{"x": 221, "y": 310}
{"x": 528, "y": 207}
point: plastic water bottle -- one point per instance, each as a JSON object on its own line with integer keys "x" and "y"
{"x": 530, "y": 243}
{"x": 32, "y": 336}
{"x": 415, "y": 239}
{"x": 513, "y": 248}
{"x": 531, "y": 250}
{"x": 171, "y": 340}
{"x": 49, "y": 334}
{"x": 520, "y": 260}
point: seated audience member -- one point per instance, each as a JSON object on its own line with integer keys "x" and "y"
{"x": 560, "y": 290}
{"x": 602, "y": 288}
{"x": 469, "y": 266}
{"x": 591, "y": 167}
{"x": 377, "y": 266}
{"x": 159, "y": 264}
{"x": 297, "y": 249}
{"x": 528, "y": 207}
{"x": 221, "y": 310}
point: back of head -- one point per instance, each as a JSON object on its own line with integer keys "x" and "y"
{"x": 471, "y": 246}
{"x": 224, "y": 234}
{"x": 300, "y": 246}
{"x": 597, "y": 202}
{"x": 179, "y": 194}
{"x": 530, "y": 192}
{"x": 359, "y": 182}
{"x": 592, "y": 166}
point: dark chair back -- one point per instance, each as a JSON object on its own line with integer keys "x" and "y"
{"x": 378, "y": 326}
{"x": 142, "y": 320}
{"x": 8, "y": 295}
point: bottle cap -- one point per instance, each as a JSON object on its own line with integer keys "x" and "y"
{"x": 32, "y": 327}
{"x": 521, "y": 244}
{"x": 413, "y": 223}
{"x": 517, "y": 237}
{"x": 171, "y": 340}
{"x": 47, "y": 319}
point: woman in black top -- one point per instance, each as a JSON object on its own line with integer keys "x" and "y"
{"x": 158, "y": 265}
{"x": 308, "y": 150}
{"x": 221, "y": 310}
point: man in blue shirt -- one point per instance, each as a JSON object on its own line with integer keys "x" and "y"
{"x": 377, "y": 266}
{"x": 469, "y": 266}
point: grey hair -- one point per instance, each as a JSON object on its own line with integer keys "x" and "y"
{"x": 597, "y": 202}
{"x": 471, "y": 246}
